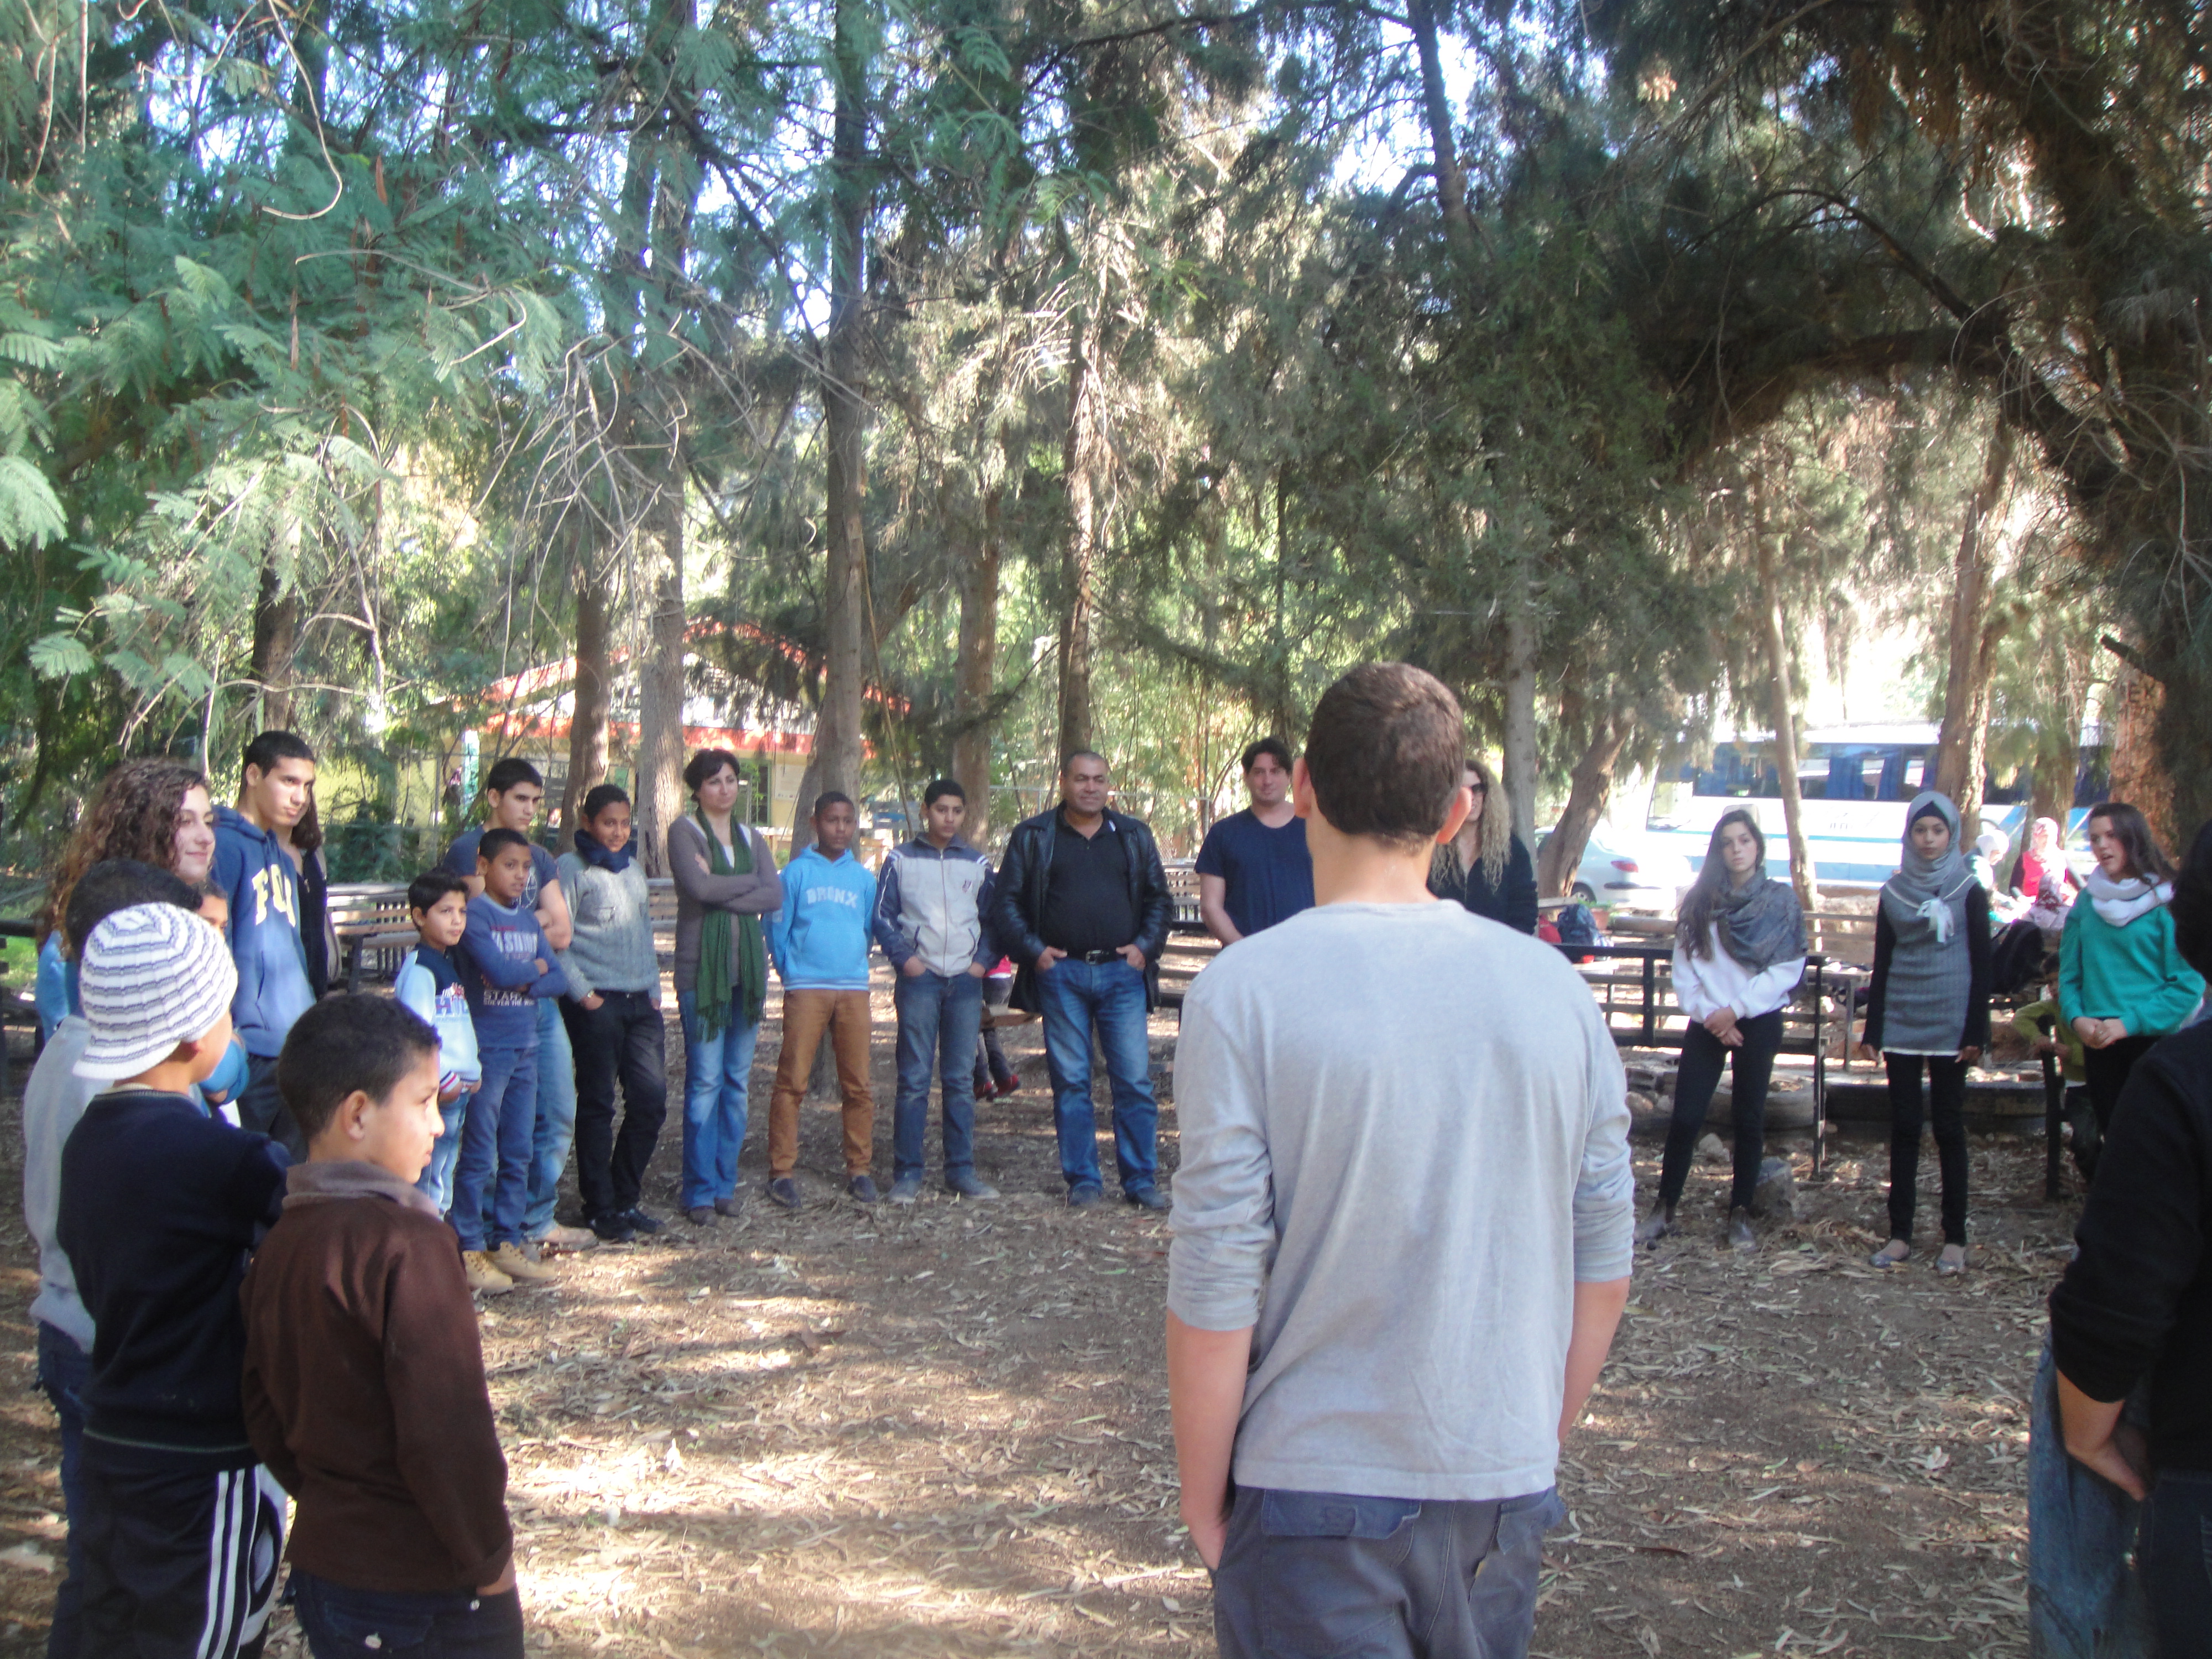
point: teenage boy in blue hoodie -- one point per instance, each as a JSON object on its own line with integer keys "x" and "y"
{"x": 507, "y": 966}
{"x": 930, "y": 902}
{"x": 819, "y": 944}
{"x": 256, "y": 877}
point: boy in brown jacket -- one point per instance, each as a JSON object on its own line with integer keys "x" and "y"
{"x": 364, "y": 1382}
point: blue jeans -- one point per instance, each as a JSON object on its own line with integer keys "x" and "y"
{"x": 1074, "y": 996}
{"x": 716, "y": 1070}
{"x": 556, "y": 1125}
{"x": 2175, "y": 1557}
{"x": 1382, "y": 1578}
{"x": 2084, "y": 1601}
{"x": 402, "y": 1624}
{"x": 437, "y": 1178}
{"x": 939, "y": 1017}
{"x": 62, "y": 1368}
{"x": 502, "y": 1115}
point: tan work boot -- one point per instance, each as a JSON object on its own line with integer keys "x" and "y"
{"x": 510, "y": 1260}
{"x": 484, "y": 1275}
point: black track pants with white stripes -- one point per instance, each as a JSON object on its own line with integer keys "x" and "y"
{"x": 180, "y": 1557}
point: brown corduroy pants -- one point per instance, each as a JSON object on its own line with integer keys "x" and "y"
{"x": 807, "y": 1016}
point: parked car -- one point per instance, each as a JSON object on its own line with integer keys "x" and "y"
{"x": 1629, "y": 867}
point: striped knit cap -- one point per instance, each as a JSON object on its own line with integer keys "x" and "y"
{"x": 153, "y": 976}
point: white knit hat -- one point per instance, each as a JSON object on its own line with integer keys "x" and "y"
{"x": 152, "y": 976}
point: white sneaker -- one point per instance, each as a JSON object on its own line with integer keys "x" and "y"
{"x": 558, "y": 1237}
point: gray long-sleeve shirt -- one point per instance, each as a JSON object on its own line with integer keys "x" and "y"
{"x": 697, "y": 888}
{"x": 1405, "y": 1140}
{"x": 611, "y": 939}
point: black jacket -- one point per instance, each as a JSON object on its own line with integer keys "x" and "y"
{"x": 2137, "y": 1301}
{"x": 1512, "y": 902}
{"x": 1017, "y": 900}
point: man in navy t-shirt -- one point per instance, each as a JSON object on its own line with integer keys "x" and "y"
{"x": 1252, "y": 871}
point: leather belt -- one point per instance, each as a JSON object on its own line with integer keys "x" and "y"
{"x": 1095, "y": 959}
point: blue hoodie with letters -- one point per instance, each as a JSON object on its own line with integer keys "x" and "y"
{"x": 259, "y": 879}
{"x": 820, "y": 939}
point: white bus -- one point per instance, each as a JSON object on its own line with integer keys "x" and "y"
{"x": 1855, "y": 781}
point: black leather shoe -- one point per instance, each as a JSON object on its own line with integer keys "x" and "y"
{"x": 640, "y": 1221}
{"x": 1145, "y": 1198}
{"x": 613, "y": 1228}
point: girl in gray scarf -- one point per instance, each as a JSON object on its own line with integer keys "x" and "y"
{"x": 1929, "y": 1006}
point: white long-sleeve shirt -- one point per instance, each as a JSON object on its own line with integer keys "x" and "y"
{"x": 1703, "y": 986}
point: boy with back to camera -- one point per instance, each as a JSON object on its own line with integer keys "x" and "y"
{"x": 160, "y": 1205}
{"x": 54, "y": 1100}
{"x": 363, "y": 1379}
{"x": 819, "y": 944}
{"x": 507, "y": 968}
{"x": 429, "y": 985}
{"x": 1401, "y": 1228}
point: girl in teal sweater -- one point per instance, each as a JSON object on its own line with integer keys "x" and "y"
{"x": 2119, "y": 977}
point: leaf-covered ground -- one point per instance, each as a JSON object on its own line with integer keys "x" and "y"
{"x": 945, "y": 1429}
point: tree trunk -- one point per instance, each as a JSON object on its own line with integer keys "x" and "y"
{"x": 658, "y": 800}
{"x": 1590, "y": 791}
{"x": 837, "y": 738}
{"x": 2137, "y": 711}
{"x": 1802, "y": 873}
{"x": 589, "y": 699}
{"x": 1084, "y": 470}
{"x": 974, "y": 671}
{"x": 277, "y": 628}
{"x": 1962, "y": 746}
{"x": 1520, "y": 760}
{"x": 1452, "y": 178}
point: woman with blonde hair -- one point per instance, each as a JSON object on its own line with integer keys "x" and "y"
{"x": 1485, "y": 866}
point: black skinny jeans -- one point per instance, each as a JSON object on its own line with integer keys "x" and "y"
{"x": 1947, "y": 1104}
{"x": 1696, "y": 1078}
{"x": 2105, "y": 1070}
{"x": 622, "y": 1038}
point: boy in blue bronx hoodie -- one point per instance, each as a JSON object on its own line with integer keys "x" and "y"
{"x": 160, "y": 1203}
{"x": 930, "y": 901}
{"x": 506, "y": 965}
{"x": 429, "y": 985}
{"x": 254, "y": 874}
{"x": 819, "y": 944}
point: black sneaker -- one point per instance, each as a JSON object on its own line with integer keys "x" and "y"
{"x": 1145, "y": 1198}
{"x": 612, "y": 1228}
{"x": 862, "y": 1189}
{"x": 1083, "y": 1195}
{"x": 785, "y": 1191}
{"x": 640, "y": 1221}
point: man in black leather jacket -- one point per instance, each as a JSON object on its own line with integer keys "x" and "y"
{"x": 1082, "y": 906}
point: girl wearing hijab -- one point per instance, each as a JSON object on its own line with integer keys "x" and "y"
{"x": 1739, "y": 953}
{"x": 2043, "y": 863}
{"x": 2120, "y": 978}
{"x": 1485, "y": 866}
{"x": 1929, "y": 1007}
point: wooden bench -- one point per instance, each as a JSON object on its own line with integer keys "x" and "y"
{"x": 18, "y": 1006}
{"x": 373, "y": 930}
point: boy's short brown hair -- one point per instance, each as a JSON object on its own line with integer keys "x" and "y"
{"x": 1385, "y": 753}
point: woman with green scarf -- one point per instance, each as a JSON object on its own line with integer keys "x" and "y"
{"x": 726, "y": 882}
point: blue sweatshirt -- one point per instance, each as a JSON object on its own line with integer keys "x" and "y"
{"x": 820, "y": 939}
{"x": 160, "y": 1204}
{"x": 428, "y": 986}
{"x": 498, "y": 965}
{"x": 257, "y": 877}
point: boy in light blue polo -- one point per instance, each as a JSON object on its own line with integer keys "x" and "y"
{"x": 819, "y": 944}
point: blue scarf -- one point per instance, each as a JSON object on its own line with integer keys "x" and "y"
{"x": 593, "y": 852}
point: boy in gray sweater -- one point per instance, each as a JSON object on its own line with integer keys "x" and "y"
{"x": 612, "y": 1011}
{"x": 1401, "y": 1224}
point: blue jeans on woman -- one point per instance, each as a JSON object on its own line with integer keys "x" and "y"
{"x": 1074, "y": 997}
{"x": 939, "y": 1016}
{"x": 340, "y": 1620}
{"x": 716, "y": 1073}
